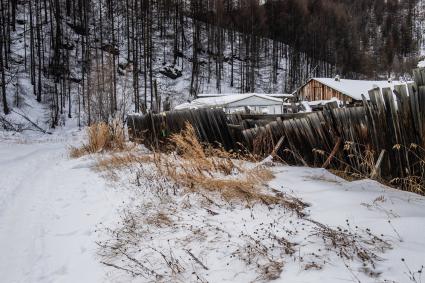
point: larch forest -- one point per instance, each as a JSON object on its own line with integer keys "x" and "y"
{"x": 90, "y": 58}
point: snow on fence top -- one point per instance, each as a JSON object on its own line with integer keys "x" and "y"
{"x": 355, "y": 88}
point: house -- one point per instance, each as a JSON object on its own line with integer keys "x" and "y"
{"x": 347, "y": 91}
{"x": 284, "y": 96}
{"x": 231, "y": 103}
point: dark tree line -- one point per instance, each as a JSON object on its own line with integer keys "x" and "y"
{"x": 97, "y": 55}
{"x": 359, "y": 36}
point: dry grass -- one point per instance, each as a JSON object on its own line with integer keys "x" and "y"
{"x": 414, "y": 184}
{"x": 159, "y": 219}
{"x": 204, "y": 157}
{"x": 192, "y": 166}
{"x": 197, "y": 167}
{"x": 352, "y": 244}
{"x": 122, "y": 160}
{"x": 414, "y": 180}
{"x": 101, "y": 137}
{"x": 259, "y": 256}
{"x": 263, "y": 143}
{"x": 360, "y": 164}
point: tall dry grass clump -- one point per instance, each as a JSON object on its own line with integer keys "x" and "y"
{"x": 203, "y": 157}
{"x": 101, "y": 137}
{"x": 198, "y": 167}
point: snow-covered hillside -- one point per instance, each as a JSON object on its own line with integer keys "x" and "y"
{"x": 66, "y": 90}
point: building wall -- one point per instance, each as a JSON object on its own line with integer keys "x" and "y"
{"x": 267, "y": 109}
{"x": 256, "y": 104}
{"x": 315, "y": 90}
{"x": 254, "y": 100}
{"x": 254, "y": 108}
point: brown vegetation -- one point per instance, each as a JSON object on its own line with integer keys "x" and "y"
{"x": 124, "y": 159}
{"x": 175, "y": 186}
{"x": 101, "y": 137}
{"x": 195, "y": 169}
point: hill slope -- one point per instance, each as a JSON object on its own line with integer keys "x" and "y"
{"x": 92, "y": 60}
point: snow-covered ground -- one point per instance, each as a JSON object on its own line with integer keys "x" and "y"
{"x": 53, "y": 211}
{"x": 49, "y": 209}
{"x": 398, "y": 217}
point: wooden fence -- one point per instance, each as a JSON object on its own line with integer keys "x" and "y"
{"x": 384, "y": 137}
{"x": 391, "y": 126}
{"x": 211, "y": 125}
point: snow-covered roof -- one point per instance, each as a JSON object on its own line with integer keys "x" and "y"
{"x": 276, "y": 95}
{"x": 223, "y": 100}
{"x": 355, "y": 88}
{"x": 281, "y": 95}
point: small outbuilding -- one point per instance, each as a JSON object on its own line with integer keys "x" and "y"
{"x": 286, "y": 97}
{"x": 232, "y": 103}
{"x": 347, "y": 91}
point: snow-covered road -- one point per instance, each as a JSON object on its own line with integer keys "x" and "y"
{"x": 49, "y": 209}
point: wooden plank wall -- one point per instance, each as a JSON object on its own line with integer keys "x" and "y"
{"x": 315, "y": 90}
{"x": 391, "y": 124}
{"x": 211, "y": 126}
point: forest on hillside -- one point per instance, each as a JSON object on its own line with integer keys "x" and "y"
{"x": 100, "y": 58}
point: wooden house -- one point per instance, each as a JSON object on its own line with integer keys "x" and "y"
{"x": 347, "y": 91}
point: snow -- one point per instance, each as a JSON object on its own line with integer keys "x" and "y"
{"x": 323, "y": 102}
{"x": 221, "y": 234}
{"x": 306, "y": 106}
{"x": 53, "y": 211}
{"x": 355, "y": 88}
{"x": 364, "y": 203}
{"x": 49, "y": 209}
{"x": 421, "y": 64}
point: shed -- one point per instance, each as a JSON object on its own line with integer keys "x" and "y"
{"x": 347, "y": 91}
{"x": 231, "y": 103}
